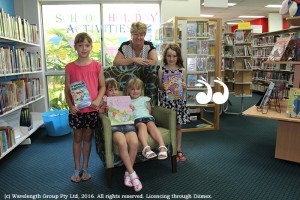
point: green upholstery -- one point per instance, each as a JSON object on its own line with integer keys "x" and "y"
{"x": 165, "y": 118}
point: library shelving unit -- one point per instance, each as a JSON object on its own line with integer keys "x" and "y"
{"x": 264, "y": 72}
{"x": 19, "y": 60}
{"x": 242, "y": 63}
{"x": 228, "y": 59}
{"x": 200, "y": 42}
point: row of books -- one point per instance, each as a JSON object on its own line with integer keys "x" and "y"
{"x": 16, "y": 60}
{"x": 262, "y": 52}
{"x": 197, "y": 29}
{"x": 15, "y": 27}
{"x": 243, "y": 50}
{"x": 18, "y": 92}
{"x": 197, "y": 47}
{"x": 7, "y": 138}
{"x": 242, "y": 36}
{"x": 264, "y": 75}
{"x": 192, "y": 80}
{"x": 264, "y": 41}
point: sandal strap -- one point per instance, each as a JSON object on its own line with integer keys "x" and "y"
{"x": 163, "y": 147}
{"x": 77, "y": 173}
{"x": 144, "y": 149}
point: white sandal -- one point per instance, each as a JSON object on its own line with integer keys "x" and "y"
{"x": 149, "y": 154}
{"x": 162, "y": 155}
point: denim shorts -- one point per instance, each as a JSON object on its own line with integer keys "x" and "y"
{"x": 144, "y": 120}
{"x": 123, "y": 128}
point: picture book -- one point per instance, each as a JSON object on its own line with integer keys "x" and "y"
{"x": 173, "y": 85}
{"x": 191, "y": 97}
{"x": 239, "y": 37}
{"x": 279, "y": 48}
{"x": 80, "y": 94}
{"x": 191, "y": 29}
{"x": 293, "y": 107}
{"x": 191, "y": 64}
{"x": 201, "y": 64}
{"x": 191, "y": 80}
{"x": 265, "y": 98}
{"x": 191, "y": 47}
{"x": 120, "y": 112}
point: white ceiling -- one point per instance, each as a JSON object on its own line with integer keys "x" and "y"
{"x": 242, "y": 7}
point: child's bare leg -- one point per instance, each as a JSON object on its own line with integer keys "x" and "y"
{"x": 77, "y": 141}
{"x": 143, "y": 137}
{"x": 87, "y": 145}
{"x": 179, "y": 137}
{"x": 156, "y": 135}
{"x": 120, "y": 139}
{"x": 133, "y": 145}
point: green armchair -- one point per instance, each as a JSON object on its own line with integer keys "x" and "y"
{"x": 165, "y": 119}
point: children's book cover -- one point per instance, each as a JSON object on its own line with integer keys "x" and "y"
{"x": 279, "y": 48}
{"x": 293, "y": 107}
{"x": 120, "y": 111}
{"x": 191, "y": 97}
{"x": 80, "y": 94}
{"x": 191, "y": 47}
{"x": 191, "y": 80}
{"x": 173, "y": 85}
{"x": 239, "y": 37}
{"x": 191, "y": 64}
{"x": 191, "y": 29}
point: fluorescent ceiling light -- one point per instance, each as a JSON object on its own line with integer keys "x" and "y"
{"x": 273, "y": 6}
{"x": 204, "y": 15}
{"x": 245, "y": 16}
{"x": 229, "y": 4}
{"x": 231, "y": 23}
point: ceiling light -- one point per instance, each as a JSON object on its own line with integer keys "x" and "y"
{"x": 245, "y": 16}
{"x": 231, "y": 23}
{"x": 229, "y": 4}
{"x": 204, "y": 15}
{"x": 273, "y": 6}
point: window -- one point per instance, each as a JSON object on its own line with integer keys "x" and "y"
{"x": 62, "y": 22}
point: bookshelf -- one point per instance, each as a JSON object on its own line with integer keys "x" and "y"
{"x": 200, "y": 42}
{"x": 228, "y": 60}
{"x": 264, "y": 71}
{"x": 20, "y": 78}
{"x": 242, "y": 63}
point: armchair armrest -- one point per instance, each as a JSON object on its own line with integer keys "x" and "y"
{"x": 166, "y": 118}
{"x": 107, "y": 137}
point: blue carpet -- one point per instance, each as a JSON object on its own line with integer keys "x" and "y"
{"x": 235, "y": 162}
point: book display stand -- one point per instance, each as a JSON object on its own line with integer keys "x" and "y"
{"x": 200, "y": 42}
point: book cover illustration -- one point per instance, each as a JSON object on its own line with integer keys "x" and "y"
{"x": 120, "y": 111}
{"x": 279, "y": 49}
{"x": 191, "y": 64}
{"x": 293, "y": 107}
{"x": 80, "y": 94}
{"x": 192, "y": 47}
{"x": 239, "y": 37}
{"x": 191, "y": 80}
{"x": 173, "y": 85}
{"x": 265, "y": 98}
{"x": 191, "y": 29}
{"x": 191, "y": 97}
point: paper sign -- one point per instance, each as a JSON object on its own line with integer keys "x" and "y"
{"x": 244, "y": 25}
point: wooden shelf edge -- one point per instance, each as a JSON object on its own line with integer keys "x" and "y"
{"x": 293, "y": 21}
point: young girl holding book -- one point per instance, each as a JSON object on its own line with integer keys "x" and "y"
{"x": 84, "y": 120}
{"x": 144, "y": 121}
{"x": 173, "y": 63}
{"x": 125, "y": 137}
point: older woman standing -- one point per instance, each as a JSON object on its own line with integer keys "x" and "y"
{"x": 136, "y": 51}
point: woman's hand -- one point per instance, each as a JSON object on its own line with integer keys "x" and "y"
{"x": 73, "y": 109}
{"x": 141, "y": 61}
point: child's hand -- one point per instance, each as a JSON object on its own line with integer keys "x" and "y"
{"x": 183, "y": 85}
{"x": 95, "y": 104}
{"x": 73, "y": 110}
{"x": 132, "y": 107}
{"x": 106, "y": 108}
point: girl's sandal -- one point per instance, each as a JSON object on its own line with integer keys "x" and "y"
{"x": 180, "y": 156}
{"x": 76, "y": 176}
{"x": 85, "y": 175}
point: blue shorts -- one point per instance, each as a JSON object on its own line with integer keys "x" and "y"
{"x": 144, "y": 120}
{"x": 123, "y": 128}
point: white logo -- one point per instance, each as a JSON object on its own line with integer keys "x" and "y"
{"x": 218, "y": 97}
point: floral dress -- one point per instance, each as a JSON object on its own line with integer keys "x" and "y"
{"x": 179, "y": 105}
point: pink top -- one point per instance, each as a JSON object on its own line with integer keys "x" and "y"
{"x": 90, "y": 74}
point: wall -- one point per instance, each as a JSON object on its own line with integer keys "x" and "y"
{"x": 180, "y": 8}
{"x": 8, "y": 6}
